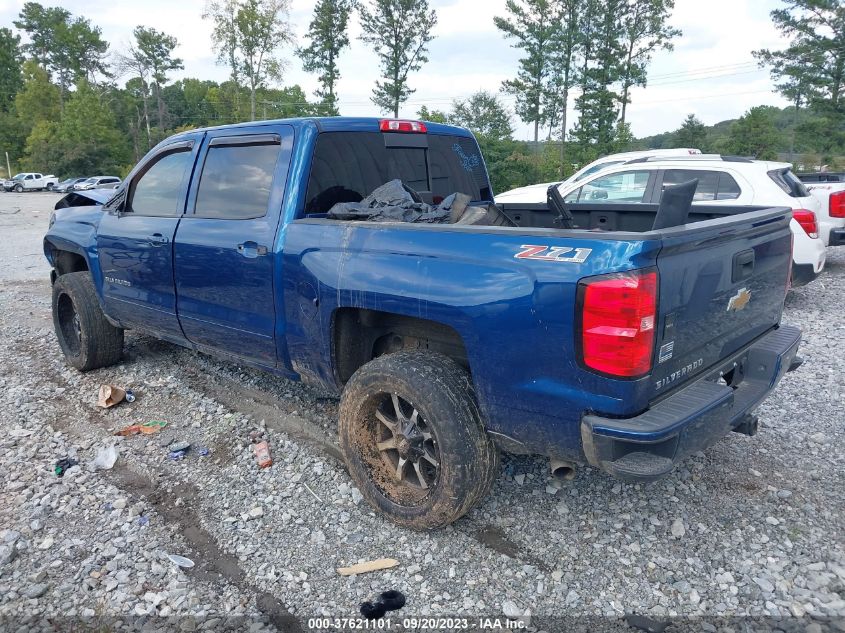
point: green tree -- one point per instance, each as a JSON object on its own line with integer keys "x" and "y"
{"x": 602, "y": 54}
{"x": 528, "y": 24}
{"x": 399, "y": 32}
{"x": 484, "y": 114}
{"x": 262, "y": 28}
{"x": 754, "y": 134}
{"x": 327, "y": 36}
{"x": 134, "y": 63}
{"x": 85, "y": 140}
{"x": 564, "y": 74}
{"x": 71, "y": 48}
{"x": 156, "y": 51}
{"x": 644, "y": 32}
{"x": 11, "y": 79}
{"x": 692, "y": 133}
{"x": 224, "y": 34}
{"x": 39, "y": 99}
{"x": 434, "y": 116}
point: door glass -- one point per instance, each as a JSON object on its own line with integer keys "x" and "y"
{"x": 626, "y": 187}
{"x": 707, "y": 182}
{"x": 159, "y": 191}
{"x": 236, "y": 181}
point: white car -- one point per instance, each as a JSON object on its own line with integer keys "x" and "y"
{"x": 829, "y": 188}
{"x": 726, "y": 185}
{"x": 30, "y": 181}
{"x": 515, "y": 195}
{"x": 97, "y": 182}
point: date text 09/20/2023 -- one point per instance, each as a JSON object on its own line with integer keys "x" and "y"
{"x": 415, "y": 624}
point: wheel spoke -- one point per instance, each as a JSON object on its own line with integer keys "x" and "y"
{"x": 400, "y": 468}
{"x": 386, "y": 445}
{"x": 399, "y": 415}
{"x": 420, "y": 478}
{"x": 414, "y": 416}
{"x": 390, "y": 424}
{"x": 431, "y": 460}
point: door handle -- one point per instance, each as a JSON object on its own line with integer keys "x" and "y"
{"x": 251, "y": 249}
{"x": 743, "y": 265}
{"x": 157, "y": 239}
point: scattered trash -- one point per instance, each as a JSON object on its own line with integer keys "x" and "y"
{"x": 372, "y": 565}
{"x": 147, "y": 428}
{"x": 110, "y": 395}
{"x": 392, "y": 599}
{"x": 261, "y": 449}
{"x": 106, "y": 457}
{"x": 372, "y": 611}
{"x": 143, "y": 520}
{"x": 20, "y": 432}
{"x": 388, "y": 601}
{"x": 181, "y": 561}
{"x": 130, "y": 395}
{"x": 178, "y": 450}
{"x": 202, "y": 451}
{"x": 313, "y": 494}
{"x": 63, "y": 465}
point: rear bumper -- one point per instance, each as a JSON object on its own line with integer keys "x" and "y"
{"x": 837, "y": 237}
{"x": 802, "y": 274}
{"x": 648, "y": 446}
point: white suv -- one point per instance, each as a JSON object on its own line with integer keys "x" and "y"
{"x": 722, "y": 182}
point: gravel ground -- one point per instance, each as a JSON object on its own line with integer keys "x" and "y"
{"x": 752, "y": 527}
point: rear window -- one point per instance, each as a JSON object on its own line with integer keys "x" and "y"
{"x": 348, "y": 166}
{"x": 712, "y": 185}
{"x": 786, "y": 180}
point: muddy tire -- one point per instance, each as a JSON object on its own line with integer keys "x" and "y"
{"x": 87, "y": 339}
{"x": 413, "y": 440}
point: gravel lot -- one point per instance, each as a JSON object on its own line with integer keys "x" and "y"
{"x": 752, "y": 527}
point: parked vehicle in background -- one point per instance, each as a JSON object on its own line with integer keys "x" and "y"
{"x": 67, "y": 184}
{"x": 829, "y": 188}
{"x": 30, "y": 181}
{"x": 727, "y": 186}
{"x": 98, "y": 182}
{"x": 521, "y": 194}
{"x": 628, "y": 349}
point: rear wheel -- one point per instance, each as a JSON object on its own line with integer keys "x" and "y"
{"x": 50, "y": 186}
{"x": 87, "y": 339}
{"x": 413, "y": 439}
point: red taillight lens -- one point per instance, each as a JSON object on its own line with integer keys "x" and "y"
{"x": 618, "y": 317}
{"x": 396, "y": 125}
{"x": 807, "y": 220}
{"x": 837, "y": 204}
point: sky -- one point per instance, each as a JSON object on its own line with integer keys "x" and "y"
{"x": 710, "y": 73}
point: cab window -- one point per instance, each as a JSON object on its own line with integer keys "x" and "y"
{"x": 160, "y": 189}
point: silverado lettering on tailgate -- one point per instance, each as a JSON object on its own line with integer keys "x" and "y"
{"x": 554, "y": 253}
{"x": 679, "y": 373}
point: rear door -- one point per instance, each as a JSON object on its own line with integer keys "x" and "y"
{"x": 135, "y": 243}
{"x": 224, "y": 258}
{"x": 716, "y": 187}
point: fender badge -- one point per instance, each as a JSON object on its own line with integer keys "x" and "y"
{"x": 554, "y": 253}
{"x": 739, "y": 300}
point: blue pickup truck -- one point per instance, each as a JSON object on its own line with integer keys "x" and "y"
{"x": 626, "y": 350}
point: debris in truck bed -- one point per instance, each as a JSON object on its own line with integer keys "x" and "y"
{"x": 396, "y": 202}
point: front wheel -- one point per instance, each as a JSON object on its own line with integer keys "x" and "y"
{"x": 87, "y": 339}
{"x": 412, "y": 437}
{"x": 18, "y": 188}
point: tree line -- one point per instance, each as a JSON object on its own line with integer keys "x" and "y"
{"x": 70, "y": 104}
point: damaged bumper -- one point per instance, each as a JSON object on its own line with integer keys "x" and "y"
{"x": 648, "y": 446}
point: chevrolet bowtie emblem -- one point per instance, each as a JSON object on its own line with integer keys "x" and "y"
{"x": 739, "y": 300}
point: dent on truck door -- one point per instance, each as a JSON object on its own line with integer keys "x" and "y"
{"x": 224, "y": 258}
{"x": 135, "y": 243}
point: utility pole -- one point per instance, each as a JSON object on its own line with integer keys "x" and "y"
{"x": 8, "y": 167}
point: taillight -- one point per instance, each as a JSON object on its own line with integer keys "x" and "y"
{"x": 837, "y": 205}
{"x": 397, "y": 125}
{"x": 807, "y": 220}
{"x": 618, "y": 317}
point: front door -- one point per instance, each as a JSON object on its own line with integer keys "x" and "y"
{"x": 135, "y": 242}
{"x": 224, "y": 256}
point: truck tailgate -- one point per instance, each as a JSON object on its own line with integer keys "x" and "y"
{"x": 721, "y": 287}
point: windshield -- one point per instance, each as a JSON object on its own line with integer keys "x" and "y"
{"x": 19, "y": 177}
{"x": 348, "y": 166}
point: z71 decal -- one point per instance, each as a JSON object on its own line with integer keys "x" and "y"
{"x": 554, "y": 253}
